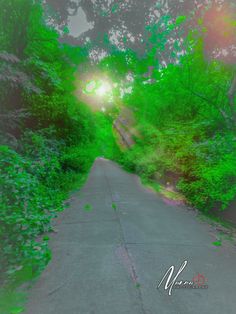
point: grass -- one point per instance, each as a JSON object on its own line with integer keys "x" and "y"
{"x": 8, "y": 298}
{"x": 13, "y": 294}
{"x": 156, "y": 187}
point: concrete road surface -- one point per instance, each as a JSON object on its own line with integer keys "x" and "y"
{"x": 116, "y": 242}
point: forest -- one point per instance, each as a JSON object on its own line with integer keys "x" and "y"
{"x": 182, "y": 97}
{"x": 49, "y": 139}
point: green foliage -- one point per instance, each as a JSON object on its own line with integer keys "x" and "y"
{"x": 187, "y": 128}
{"x": 27, "y": 205}
{"x": 13, "y": 39}
{"x": 105, "y": 144}
{"x": 217, "y": 243}
{"x": 49, "y": 138}
{"x": 215, "y": 175}
{"x": 180, "y": 19}
{"x": 79, "y": 158}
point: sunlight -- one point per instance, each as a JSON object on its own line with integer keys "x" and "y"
{"x": 97, "y": 91}
{"x": 99, "y": 88}
{"x": 103, "y": 89}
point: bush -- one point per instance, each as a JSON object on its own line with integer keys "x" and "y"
{"x": 187, "y": 127}
{"x": 214, "y": 185}
{"x": 26, "y": 208}
{"x": 206, "y": 167}
{"x": 79, "y": 158}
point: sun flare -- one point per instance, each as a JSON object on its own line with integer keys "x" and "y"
{"x": 103, "y": 89}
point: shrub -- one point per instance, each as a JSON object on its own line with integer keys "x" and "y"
{"x": 26, "y": 207}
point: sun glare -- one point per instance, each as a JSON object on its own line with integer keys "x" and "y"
{"x": 99, "y": 88}
{"x": 103, "y": 89}
{"x": 97, "y": 92}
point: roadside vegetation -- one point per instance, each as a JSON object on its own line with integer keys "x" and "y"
{"x": 48, "y": 138}
{"x": 188, "y": 129}
{"x": 185, "y": 111}
{"x": 185, "y": 124}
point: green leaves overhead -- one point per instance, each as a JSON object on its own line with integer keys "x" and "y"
{"x": 186, "y": 126}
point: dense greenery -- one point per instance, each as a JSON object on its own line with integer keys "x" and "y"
{"x": 185, "y": 114}
{"x": 48, "y": 139}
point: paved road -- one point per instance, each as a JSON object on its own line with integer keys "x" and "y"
{"x": 114, "y": 245}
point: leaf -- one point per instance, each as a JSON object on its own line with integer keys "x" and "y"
{"x": 66, "y": 30}
{"x": 17, "y": 310}
{"x": 217, "y": 243}
{"x": 115, "y": 7}
{"x": 180, "y": 20}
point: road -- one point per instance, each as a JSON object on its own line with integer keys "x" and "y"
{"x": 115, "y": 243}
